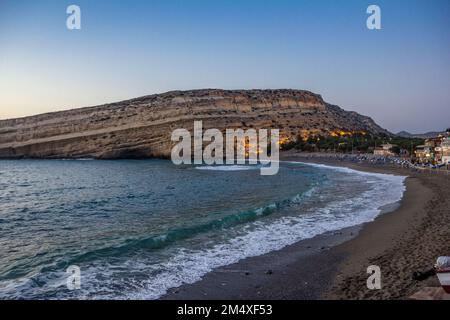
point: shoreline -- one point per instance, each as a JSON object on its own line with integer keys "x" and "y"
{"x": 333, "y": 265}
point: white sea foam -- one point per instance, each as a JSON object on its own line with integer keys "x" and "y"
{"x": 344, "y": 169}
{"x": 189, "y": 266}
{"x": 75, "y": 159}
{"x": 229, "y": 167}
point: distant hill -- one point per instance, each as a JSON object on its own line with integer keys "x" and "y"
{"x": 426, "y": 135}
{"x": 142, "y": 127}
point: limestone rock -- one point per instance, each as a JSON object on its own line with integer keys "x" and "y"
{"x": 142, "y": 127}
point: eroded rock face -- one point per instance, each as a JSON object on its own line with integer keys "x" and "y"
{"x": 142, "y": 127}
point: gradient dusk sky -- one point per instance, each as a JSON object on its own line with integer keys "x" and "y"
{"x": 400, "y": 75}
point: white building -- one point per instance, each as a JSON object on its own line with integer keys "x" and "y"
{"x": 445, "y": 149}
{"x": 384, "y": 150}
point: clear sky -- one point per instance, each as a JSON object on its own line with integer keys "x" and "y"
{"x": 399, "y": 75}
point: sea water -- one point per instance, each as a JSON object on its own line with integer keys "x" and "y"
{"x": 138, "y": 228}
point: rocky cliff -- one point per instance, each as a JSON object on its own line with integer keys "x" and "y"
{"x": 142, "y": 127}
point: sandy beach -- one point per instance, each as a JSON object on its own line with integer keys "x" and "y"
{"x": 401, "y": 241}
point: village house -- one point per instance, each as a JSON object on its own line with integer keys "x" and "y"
{"x": 445, "y": 147}
{"x": 435, "y": 150}
{"x": 385, "y": 150}
{"x": 423, "y": 154}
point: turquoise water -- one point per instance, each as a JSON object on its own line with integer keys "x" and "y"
{"x": 138, "y": 228}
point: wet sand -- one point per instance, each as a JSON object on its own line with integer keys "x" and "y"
{"x": 334, "y": 265}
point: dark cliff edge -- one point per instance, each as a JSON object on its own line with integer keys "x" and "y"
{"x": 142, "y": 127}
